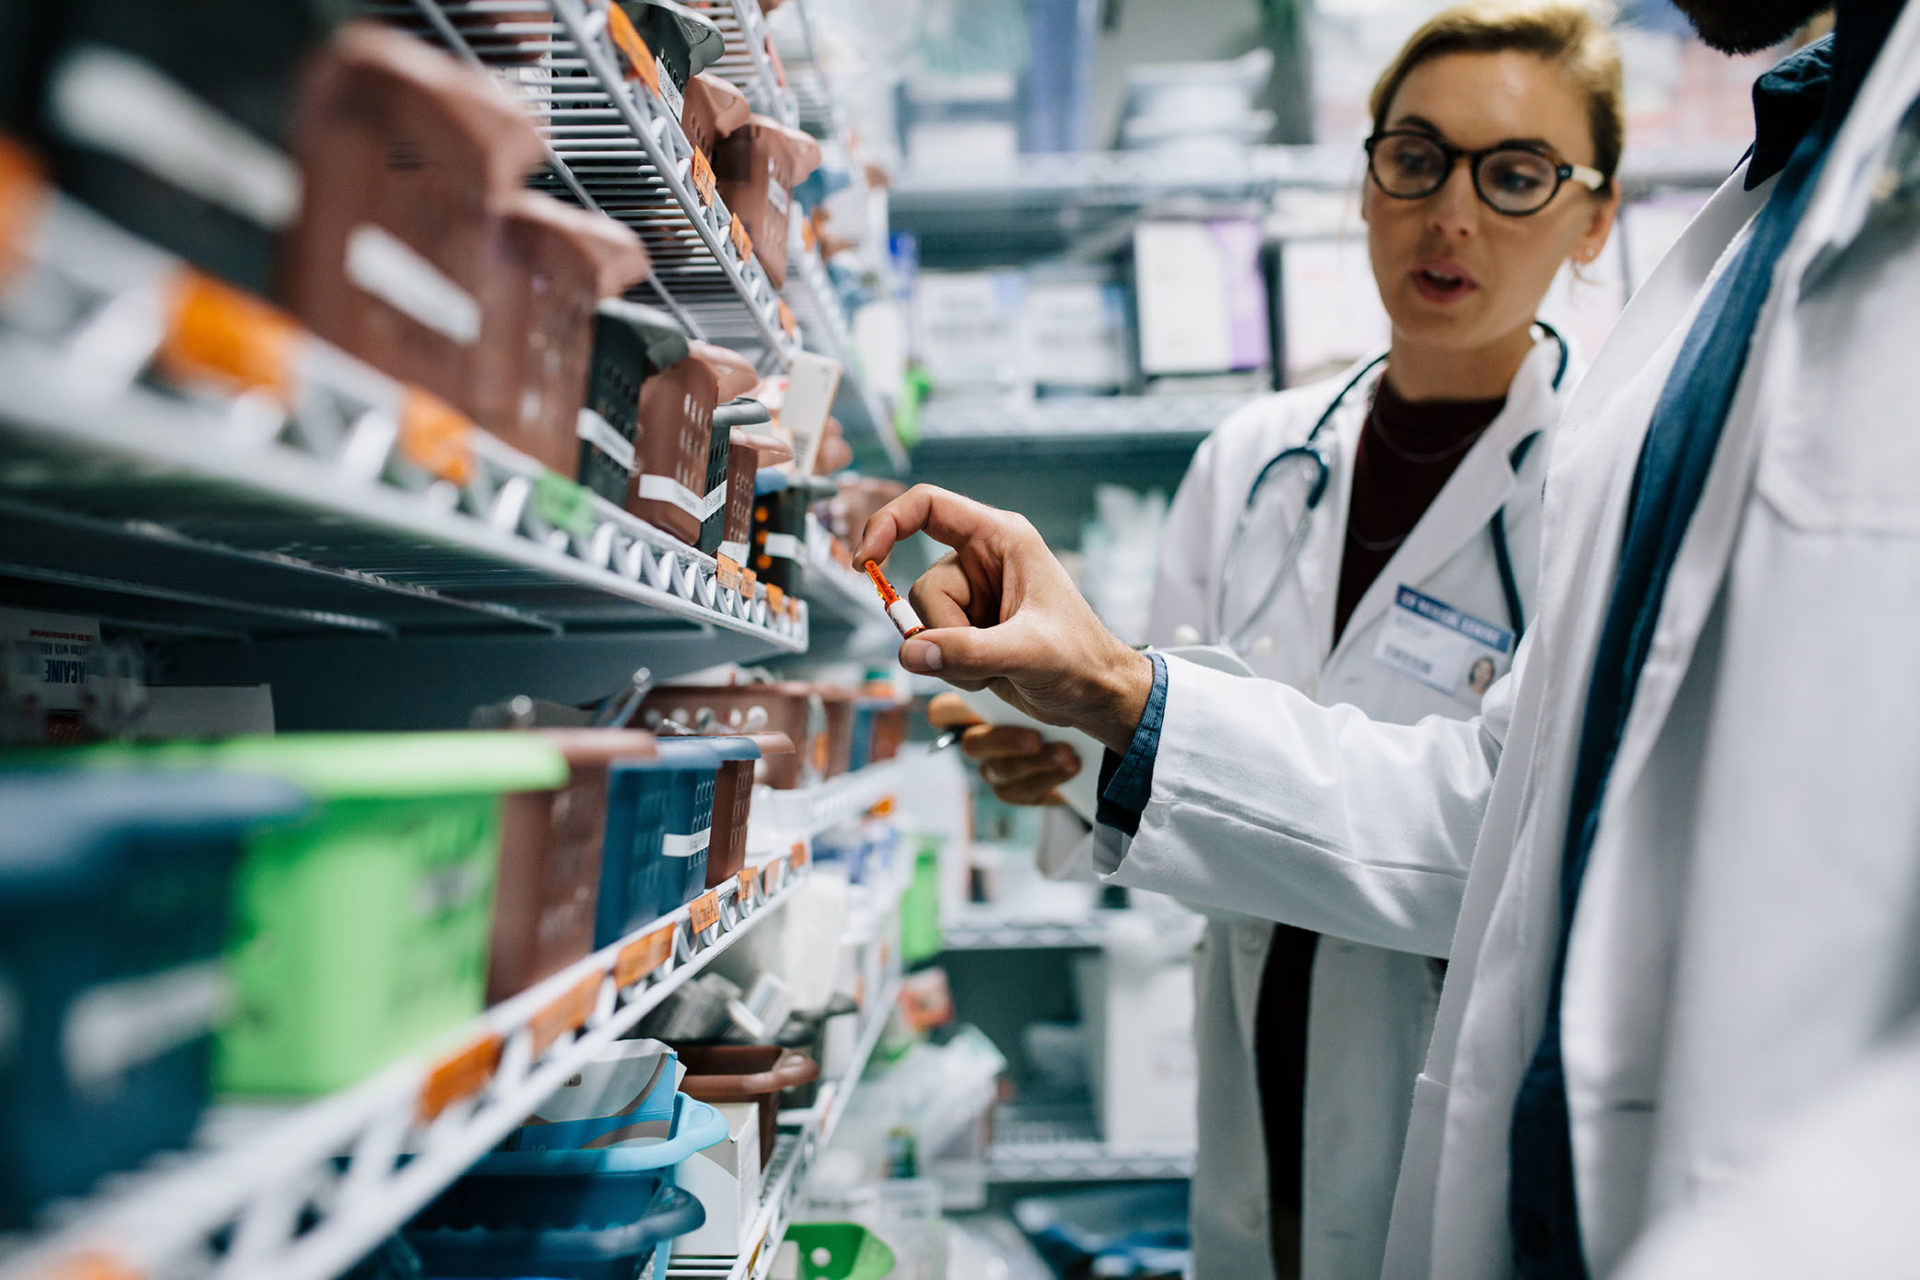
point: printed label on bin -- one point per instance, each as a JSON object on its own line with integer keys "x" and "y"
{"x": 641, "y": 64}
{"x": 704, "y": 911}
{"x": 1442, "y": 647}
{"x": 380, "y": 263}
{"x": 115, "y": 1027}
{"x": 679, "y": 846}
{"x": 667, "y": 489}
{"x": 599, "y": 433}
{"x": 711, "y": 504}
{"x": 669, "y": 91}
{"x": 705, "y": 185}
{"x": 782, "y": 546}
{"x": 727, "y": 571}
{"x": 641, "y": 957}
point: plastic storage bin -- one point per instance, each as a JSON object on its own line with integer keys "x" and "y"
{"x": 733, "y": 800}
{"x": 631, "y": 343}
{"x": 572, "y": 1215}
{"x": 623, "y": 1095}
{"x": 742, "y": 1073}
{"x": 115, "y": 897}
{"x": 840, "y": 1251}
{"x": 791, "y": 708}
{"x": 659, "y": 822}
{"x": 676, "y": 436}
{"x": 556, "y": 263}
{"x": 734, "y": 414}
{"x": 406, "y": 159}
{"x": 757, "y": 167}
{"x": 683, "y": 41}
{"x": 750, "y": 455}
{"x": 779, "y": 537}
{"x": 713, "y": 109}
{"x": 543, "y": 915}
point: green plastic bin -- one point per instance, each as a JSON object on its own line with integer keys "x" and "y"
{"x": 361, "y": 933}
{"x": 840, "y": 1251}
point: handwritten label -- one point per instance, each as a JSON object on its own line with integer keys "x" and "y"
{"x": 460, "y": 1074}
{"x": 566, "y": 1014}
{"x": 728, "y": 571}
{"x": 742, "y": 242}
{"x": 641, "y": 957}
{"x": 641, "y": 64}
{"x": 704, "y": 911}
{"x": 704, "y": 183}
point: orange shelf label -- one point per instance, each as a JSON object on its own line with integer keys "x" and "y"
{"x": 799, "y": 856}
{"x": 641, "y": 957}
{"x": 436, "y": 437}
{"x": 770, "y": 877}
{"x": 728, "y": 572}
{"x": 23, "y": 201}
{"x": 566, "y": 1014}
{"x": 745, "y": 881}
{"x": 776, "y": 598}
{"x": 809, "y": 234}
{"x": 704, "y": 183}
{"x": 460, "y": 1074}
{"x": 640, "y": 61}
{"x": 787, "y": 321}
{"x": 216, "y": 331}
{"x": 749, "y": 583}
{"x": 704, "y": 911}
{"x": 742, "y": 242}
{"x": 92, "y": 1266}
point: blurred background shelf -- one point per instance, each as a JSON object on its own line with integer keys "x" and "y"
{"x": 1062, "y": 1144}
{"x": 748, "y": 62}
{"x": 996, "y": 929}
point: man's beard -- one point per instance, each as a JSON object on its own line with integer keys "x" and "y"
{"x": 1748, "y": 26}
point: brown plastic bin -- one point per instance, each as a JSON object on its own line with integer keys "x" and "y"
{"x": 714, "y": 109}
{"x": 751, "y": 454}
{"x": 406, "y": 159}
{"x": 676, "y": 436}
{"x": 889, "y": 733}
{"x": 631, "y": 343}
{"x": 757, "y": 168}
{"x": 559, "y": 263}
{"x": 791, "y": 708}
{"x": 754, "y": 1073}
{"x": 733, "y": 801}
{"x": 550, "y": 844}
{"x": 835, "y": 753}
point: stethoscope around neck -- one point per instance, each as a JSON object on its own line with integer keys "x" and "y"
{"x": 1313, "y": 457}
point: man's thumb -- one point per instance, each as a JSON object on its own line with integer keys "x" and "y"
{"x": 965, "y": 653}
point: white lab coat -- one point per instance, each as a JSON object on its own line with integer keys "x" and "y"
{"x": 1741, "y": 979}
{"x": 1371, "y": 1005}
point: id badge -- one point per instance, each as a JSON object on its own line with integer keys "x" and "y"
{"x": 1442, "y": 647}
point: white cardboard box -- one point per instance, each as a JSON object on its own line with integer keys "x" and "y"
{"x": 726, "y": 1179}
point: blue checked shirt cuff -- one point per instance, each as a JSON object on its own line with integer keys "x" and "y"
{"x": 1126, "y": 782}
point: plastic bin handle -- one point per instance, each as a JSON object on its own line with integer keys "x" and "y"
{"x": 674, "y": 1211}
{"x": 696, "y": 1126}
{"x": 790, "y": 1069}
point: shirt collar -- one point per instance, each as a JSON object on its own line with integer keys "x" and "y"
{"x": 1814, "y": 87}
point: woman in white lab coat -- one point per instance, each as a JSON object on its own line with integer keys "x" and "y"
{"x": 1444, "y": 437}
{"x": 1740, "y": 1021}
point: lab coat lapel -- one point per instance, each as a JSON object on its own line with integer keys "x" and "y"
{"x": 1479, "y": 487}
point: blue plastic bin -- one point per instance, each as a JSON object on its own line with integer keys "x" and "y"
{"x": 569, "y": 1215}
{"x": 115, "y": 902}
{"x": 659, "y": 820}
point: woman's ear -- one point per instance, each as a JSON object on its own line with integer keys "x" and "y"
{"x": 1599, "y": 226}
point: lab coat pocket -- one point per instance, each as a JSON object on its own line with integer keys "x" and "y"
{"x": 1841, "y": 454}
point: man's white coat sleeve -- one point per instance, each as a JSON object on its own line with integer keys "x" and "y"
{"x": 1269, "y": 804}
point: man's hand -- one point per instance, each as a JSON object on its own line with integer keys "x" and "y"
{"x": 1020, "y": 766}
{"x": 1003, "y": 615}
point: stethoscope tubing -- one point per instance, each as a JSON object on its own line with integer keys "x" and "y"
{"x": 1320, "y": 461}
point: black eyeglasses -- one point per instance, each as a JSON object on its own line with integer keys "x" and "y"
{"x": 1515, "y": 180}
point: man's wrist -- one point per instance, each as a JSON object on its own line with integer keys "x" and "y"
{"x": 1125, "y": 685}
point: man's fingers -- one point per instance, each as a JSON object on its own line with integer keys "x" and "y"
{"x": 940, "y": 596}
{"x": 1033, "y": 791}
{"x": 1055, "y": 765}
{"x": 943, "y": 516}
{"x": 1000, "y": 741}
{"x": 950, "y": 711}
{"x": 964, "y": 655}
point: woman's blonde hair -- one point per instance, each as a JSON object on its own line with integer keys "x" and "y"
{"x": 1571, "y": 35}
